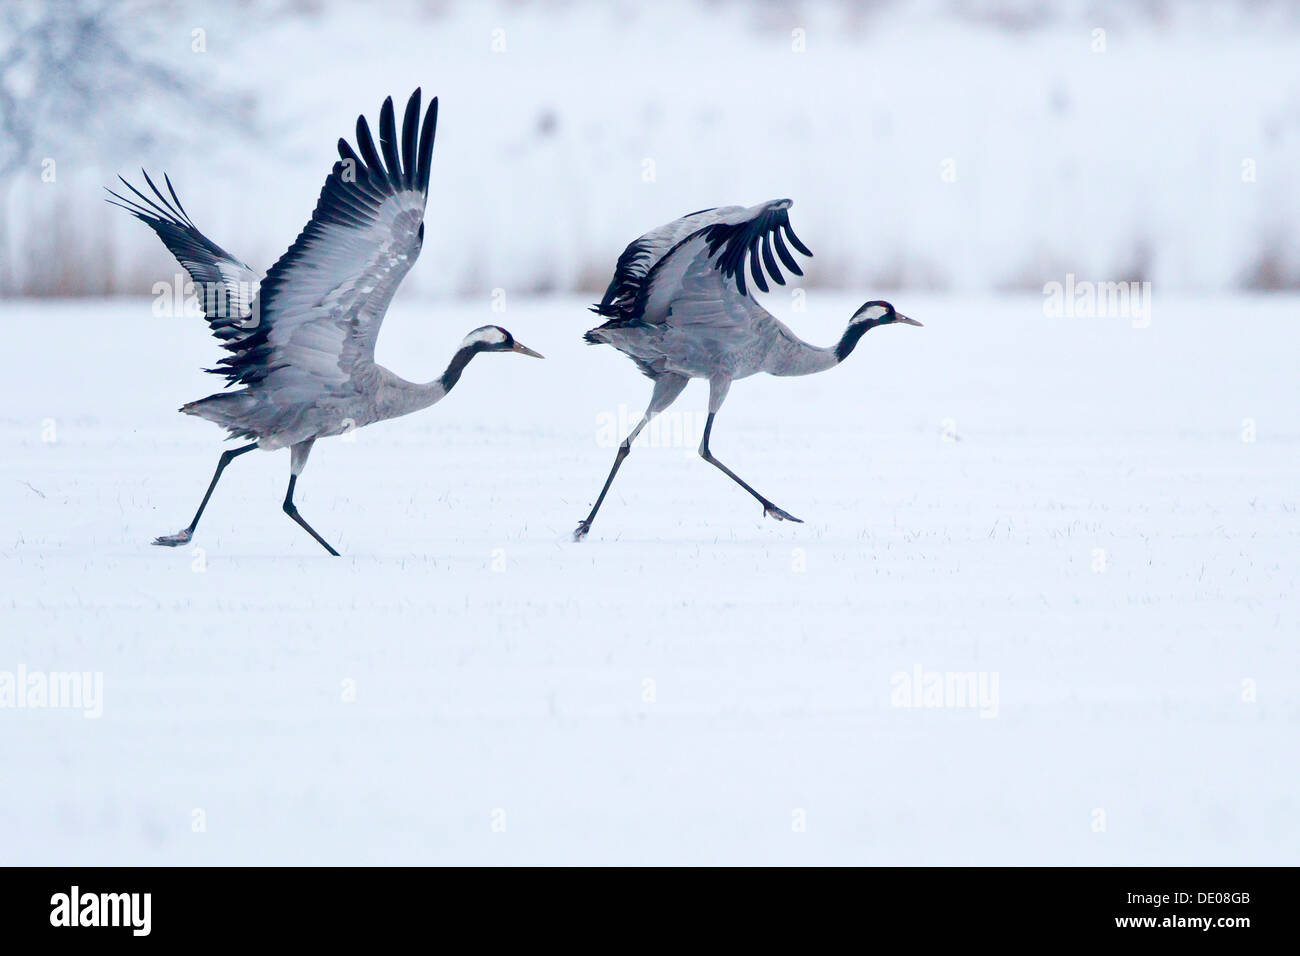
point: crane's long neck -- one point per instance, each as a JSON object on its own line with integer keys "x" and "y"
{"x": 447, "y": 381}
{"x": 797, "y": 357}
{"x": 849, "y": 340}
{"x": 400, "y": 397}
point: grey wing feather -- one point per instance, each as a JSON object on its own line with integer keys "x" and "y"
{"x": 708, "y": 267}
{"x": 680, "y": 301}
{"x": 652, "y": 267}
{"x": 643, "y": 254}
{"x": 320, "y": 307}
{"x": 225, "y": 286}
{"x": 698, "y": 314}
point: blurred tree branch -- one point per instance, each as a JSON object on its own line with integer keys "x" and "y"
{"x": 76, "y": 77}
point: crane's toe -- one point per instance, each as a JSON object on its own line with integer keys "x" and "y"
{"x": 772, "y": 511}
{"x": 580, "y": 532}
{"x": 174, "y": 540}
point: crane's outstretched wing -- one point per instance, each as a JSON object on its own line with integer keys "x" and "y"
{"x": 225, "y": 286}
{"x": 701, "y": 257}
{"x": 320, "y": 307}
{"x": 642, "y": 255}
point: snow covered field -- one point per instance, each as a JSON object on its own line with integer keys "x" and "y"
{"x": 1097, "y": 521}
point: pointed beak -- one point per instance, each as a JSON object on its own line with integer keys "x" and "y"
{"x": 525, "y": 350}
{"x": 906, "y": 321}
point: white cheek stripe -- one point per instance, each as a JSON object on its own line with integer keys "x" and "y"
{"x": 486, "y": 337}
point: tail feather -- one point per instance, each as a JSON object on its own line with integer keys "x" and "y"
{"x": 608, "y": 333}
{"x": 231, "y": 410}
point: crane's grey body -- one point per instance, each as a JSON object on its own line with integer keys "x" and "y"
{"x": 679, "y": 307}
{"x": 277, "y": 420}
{"x": 302, "y": 340}
{"x": 756, "y": 342}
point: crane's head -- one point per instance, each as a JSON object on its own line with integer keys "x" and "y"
{"x": 489, "y": 338}
{"x": 873, "y": 313}
{"x": 878, "y": 312}
{"x": 493, "y": 338}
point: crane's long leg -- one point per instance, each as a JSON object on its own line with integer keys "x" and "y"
{"x": 183, "y": 537}
{"x": 717, "y": 393}
{"x": 667, "y": 388}
{"x": 297, "y": 461}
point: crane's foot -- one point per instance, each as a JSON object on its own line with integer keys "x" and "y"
{"x": 174, "y": 540}
{"x": 772, "y": 511}
{"x": 581, "y": 531}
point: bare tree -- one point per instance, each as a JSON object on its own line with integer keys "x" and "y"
{"x": 70, "y": 69}
{"x": 77, "y": 81}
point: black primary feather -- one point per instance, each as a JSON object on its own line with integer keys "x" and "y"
{"x": 410, "y": 144}
{"x": 732, "y": 243}
{"x": 366, "y": 143}
{"x": 388, "y": 143}
{"x": 427, "y": 133}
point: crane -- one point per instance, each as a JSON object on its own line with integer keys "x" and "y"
{"x": 302, "y": 340}
{"x": 679, "y": 307}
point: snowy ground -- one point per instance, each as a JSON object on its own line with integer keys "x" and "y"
{"x": 1146, "y": 707}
